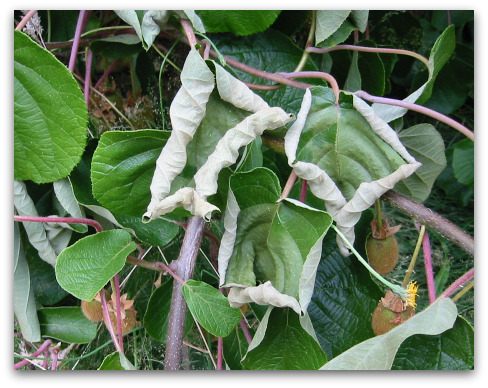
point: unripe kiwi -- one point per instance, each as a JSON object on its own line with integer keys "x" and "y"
{"x": 384, "y": 319}
{"x": 382, "y": 253}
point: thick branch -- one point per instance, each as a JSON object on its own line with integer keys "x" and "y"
{"x": 431, "y": 219}
{"x": 185, "y": 266}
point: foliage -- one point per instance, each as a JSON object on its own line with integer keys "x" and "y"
{"x": 230, "y": 163}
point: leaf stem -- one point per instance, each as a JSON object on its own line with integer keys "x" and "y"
{"x": 80, "y": 26}
{"x": 119, "y": 313}
{"x": 289, "y": 184}
{"x": 107, "y": 72}
{"x": 379, "y": 216}
{"x": 458, "y": 283}
{"x": 417, "y": 108}
{"x": 306, "y": 54}
{"x": 108, "y": 321}
{"x": 394, "y": 287}
{"x": 416, "y": 251}
{"x": 421, "y": 58}
{"x": 66, "y": 220}
{"x": 463, "y": 291}
{"x": 429, "y": 273}
{"x": 316, "y": 74}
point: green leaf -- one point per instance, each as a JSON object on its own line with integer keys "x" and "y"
{"x": 239, "y": 22}
{"x": 344, "y": 298}
{"x": 66, "y": 197}
{"x": 328, "y": 22}
{"x": 119, "y": 46}
{"x": 36, "y": 231}
{"x": 379, "y": 352}
{"x": 24, "y": 301}
{"x": 285, "y": 346}
{"x": 85, "y": 267}
{"x": 50, "y": 115}
{"x": 463, "y": 162}
{"x": 426, "y": 145}
{"x": 67, "y": 324}
{"x": 268, "y": 244}
{"x": 439, "y": 55}
{"x": 157, "y": 312}
{"x": 235, "y": 348}
{"x": 210, "y": 308}
{"x": 451, "y": 350}
{"x": 122, "y": 167}
{"x": 116, "y": 361}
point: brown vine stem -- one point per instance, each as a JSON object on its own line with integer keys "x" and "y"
{"x": 431, "y": 219}
{"x": 316, "y": 74}
{"x": 417, "y": 108}
{"x": 185, "y": 266}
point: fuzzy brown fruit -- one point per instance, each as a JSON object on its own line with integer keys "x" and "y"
{"x": 92, "y": 310}
{"x": 382, "y": 253}
{"x": 128, "y": 322}
{"x": 385, "y": 319}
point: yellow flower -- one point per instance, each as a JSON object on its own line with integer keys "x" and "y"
{"x": 412, "y": 293}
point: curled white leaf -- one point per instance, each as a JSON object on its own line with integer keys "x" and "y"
{"x": 187, "y": 198}
{"x": 228, "y": 239}
{"x": 187, "y": 111}
{"x": 264, "y": 294}
{"x": 227, "y": 149}
{"x": 236, "y": 92}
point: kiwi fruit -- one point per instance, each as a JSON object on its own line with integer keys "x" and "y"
{"x": 382, "y": 253}
{"x": 390, "y": 312}
{"x": 92, "y": 310}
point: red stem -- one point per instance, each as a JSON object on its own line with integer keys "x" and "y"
{"x": 108, "y": 321}
{"x": 119, "y": 313}
{"x": 67, "y": 220}
{"x": 429, "y": 272}
{"x": 458, "y": 283}
{"x": 316, "y": 74}
{"x": 41, "y": 349}
{"x": 244, "y": 329}
{"x": 303, "y": 193}
{"x": 107, "y": 72}
{"x": 418, "y": 108}
{"x": 76, "y": 41}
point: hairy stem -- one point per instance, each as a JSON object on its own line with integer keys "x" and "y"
{"x": 431, "y": 219}
{"x": 66, "y": 220}
{"x": 185, "y": 266}
{"x": 429, "y": 272}
{"x": 80, "y": 25}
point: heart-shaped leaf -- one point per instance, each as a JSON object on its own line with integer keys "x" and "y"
{"x": 285, "y": 346}
{"x": 122, "y": 167}
{"x": 264, "y": 243}
{"x": 210, "y": 308}
{"x": 50, "y": 114}
{"x": 85, "y": 267}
